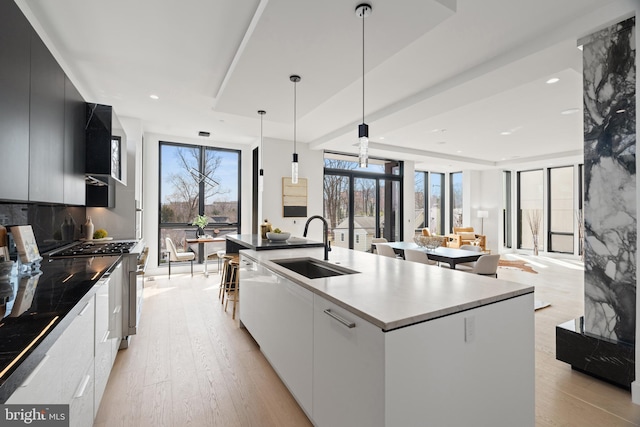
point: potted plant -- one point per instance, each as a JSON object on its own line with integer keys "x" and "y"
{"x": 201, "y": 221}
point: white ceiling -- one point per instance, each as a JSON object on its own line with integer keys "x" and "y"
{"x": 473, "y": 68}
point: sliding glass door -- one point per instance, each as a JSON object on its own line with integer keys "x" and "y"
{"x": 361, "y": 204}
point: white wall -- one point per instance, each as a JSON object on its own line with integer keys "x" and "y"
{"x": 277, "y": 157}
{"x": 484, "y": 189}
{"x": 409, "y": 198}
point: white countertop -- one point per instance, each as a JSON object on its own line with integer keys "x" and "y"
{"x": 392, "y": 293}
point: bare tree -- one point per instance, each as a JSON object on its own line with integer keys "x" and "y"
{"x": 185, "y": 197}
{"x": 335, "y": 189}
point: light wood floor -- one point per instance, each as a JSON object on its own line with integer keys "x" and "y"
{"x": 191, "y": 365}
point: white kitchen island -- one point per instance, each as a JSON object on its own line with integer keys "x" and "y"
{"x": 395, "y": 344}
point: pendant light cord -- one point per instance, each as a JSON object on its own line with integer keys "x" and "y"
{"x": 363, "y": 19}
{"x": 295, "y": 84}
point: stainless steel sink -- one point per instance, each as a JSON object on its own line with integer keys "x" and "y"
{"x": 313, "y": 268}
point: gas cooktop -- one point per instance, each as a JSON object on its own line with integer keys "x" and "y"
{"x": 95, "y": 249}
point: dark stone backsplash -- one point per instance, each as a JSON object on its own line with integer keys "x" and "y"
{"x": 46, "y": 221}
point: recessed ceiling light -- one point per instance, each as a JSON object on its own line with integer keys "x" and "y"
{"x": 569, "y": 111}
{"x": 553, "y": 80}
{"x": 506, "y": 132}
{"x": 381, "y": 137}
{"x": 459, "y": 151}
{"x": 154, "y": 97}
{"x": 441, "y": 142}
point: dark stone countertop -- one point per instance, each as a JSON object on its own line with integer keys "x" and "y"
{"x": 39, "y": 308}
{"x": 257, "y": 243}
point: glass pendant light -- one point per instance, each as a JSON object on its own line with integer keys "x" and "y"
{"x": 261, "y": 173}
{"x": 362, "y": 11}
{"x": 294, "y": 164}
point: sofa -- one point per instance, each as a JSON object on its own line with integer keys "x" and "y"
{"x": 466, "y": 236}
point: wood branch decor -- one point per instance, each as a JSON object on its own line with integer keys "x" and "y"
{"x": 294, "y": 198}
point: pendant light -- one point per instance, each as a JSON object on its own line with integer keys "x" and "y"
{"x": 261, "y": 174}
{"x": 294, "y": 164}
{"x": 362, "y": 11}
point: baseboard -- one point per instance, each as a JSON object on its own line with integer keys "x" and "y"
{"x": 635, "y": 392}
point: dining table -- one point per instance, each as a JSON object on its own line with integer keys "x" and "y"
{"x": 201, "y": 252}
{"x": 450, "y": 256}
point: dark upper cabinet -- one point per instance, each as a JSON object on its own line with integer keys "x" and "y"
{"x": 101, "y": 149}
{"x": 98, "y": 125}
{"x": 15, "y": 41}
{"x": 46, "y": 130}
{"x": 74, "y": 145}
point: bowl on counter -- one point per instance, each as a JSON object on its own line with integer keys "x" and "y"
{"x": 277, "y": 237}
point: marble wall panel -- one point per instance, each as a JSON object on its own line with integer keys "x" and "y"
{"x": 610, "y": 182}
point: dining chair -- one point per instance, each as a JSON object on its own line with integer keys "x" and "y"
{"x": 377, "y": 240}
{"x": 487, "y": 265}
{"x": 385, "y": 250}
{"x": 468, "y": 266}
{"x": 176, "y": 256}
{"x": 416, "y": 255}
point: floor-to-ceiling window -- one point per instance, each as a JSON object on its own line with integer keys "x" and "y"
{"x": 561, "y": 212}
{"x": 362, "y": 203}
{"x": 197, "y": 180}
{"x": 421, "y": 189}
{"x": 436, "y": 204}
{"x": 530, "y": 209}
{"x": 507, "y": 226}
{"x": 456, "y": 200}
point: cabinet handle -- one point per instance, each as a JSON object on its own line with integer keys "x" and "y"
{"x": 117, "y": 310}
{"x": 105, "y": 338}
{"x": 84, "y": 309}
{"x": 340, "y": 319}
{"x": 82, "y": 387}
{"x": 35, "y": 371}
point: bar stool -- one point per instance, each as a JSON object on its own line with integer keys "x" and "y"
{"x": 233, "y": 290}
{"x": 227, "y": 277}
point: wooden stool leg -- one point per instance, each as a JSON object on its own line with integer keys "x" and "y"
{"x": 223, "y": 280}
{"x": 233, "y": 288}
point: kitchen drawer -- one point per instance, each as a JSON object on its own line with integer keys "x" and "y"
{"x": 44, "y": 385}
{"x": 81, "y": 408}
{"x": 78, "y": 344}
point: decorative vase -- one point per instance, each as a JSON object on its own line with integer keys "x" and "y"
{"x": 535, "y": 244}
{"x": 88, "y": 229}
{"x": 199, "y": 232}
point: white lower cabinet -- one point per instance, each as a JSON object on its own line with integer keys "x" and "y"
{"x": 103, "y": 347}
{"x": 474, "y": 367}
{"x": 348, "y": 368}
{"x": 279, "y": 315}
{"x": 81, "y": 406}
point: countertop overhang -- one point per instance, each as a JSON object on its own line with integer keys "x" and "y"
{"x": 393, "y": 293}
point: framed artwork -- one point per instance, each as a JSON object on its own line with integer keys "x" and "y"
{"x": 294, "y": 198}
{"x": 26, "y": 244}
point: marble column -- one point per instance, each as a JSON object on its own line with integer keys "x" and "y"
{"x": 610, "y": 183}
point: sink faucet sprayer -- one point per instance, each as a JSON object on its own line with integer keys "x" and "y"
{"x": 325, "y": 234}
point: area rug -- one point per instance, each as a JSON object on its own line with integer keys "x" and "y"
{"x": 518, "y": 264}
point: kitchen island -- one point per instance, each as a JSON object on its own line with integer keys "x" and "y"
{"x": 392, "y": 342}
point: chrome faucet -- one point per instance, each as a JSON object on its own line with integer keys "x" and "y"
{"x": 325, "y": 234}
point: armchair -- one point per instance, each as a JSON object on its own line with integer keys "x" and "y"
{"x": 466, "y": 236}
